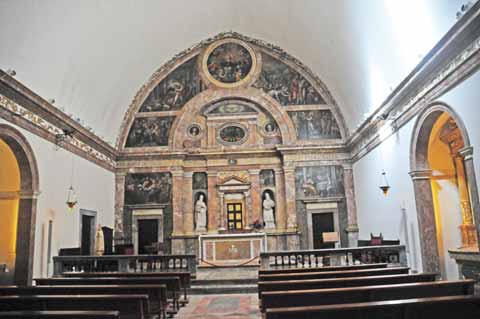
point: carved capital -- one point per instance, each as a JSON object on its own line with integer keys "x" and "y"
{"x": 421, "y": 174}
{"x": 466, "y": 153}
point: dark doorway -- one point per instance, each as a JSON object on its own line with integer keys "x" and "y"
{"x": 88, "y": 234}
{"x": 322, "y": 223}
{"x": 147, "y": 234}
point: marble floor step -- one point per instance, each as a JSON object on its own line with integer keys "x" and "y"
{"x": 222, "y": 289}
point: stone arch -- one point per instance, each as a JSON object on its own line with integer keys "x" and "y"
{"x": 208, "y": 97}
{"x": 421, "y": 176}
{"x": 196, "y": 50}
{"x": 29, "y": 189}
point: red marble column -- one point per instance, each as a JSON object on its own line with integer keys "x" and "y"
{"x": 188, "y": 214}
{"x": 256, "y": 213}
{"x": 213, "y": 210}
{"x": 280, "y": 202}
{"x": 352, "y": 228}
{"x": 119, "y": 205}
{"x": 290, "y": 197}
{"x": 177, "y": 202}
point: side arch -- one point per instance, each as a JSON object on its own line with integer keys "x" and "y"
{"x": 27, "y": 208}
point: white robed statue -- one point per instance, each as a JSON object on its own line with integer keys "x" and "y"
{"x": 268, "y": 218}
{"x": 99, "y": 241}
{"x": 201, "y": 213}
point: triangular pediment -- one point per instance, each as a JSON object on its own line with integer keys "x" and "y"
{"x": 234, "y": 180}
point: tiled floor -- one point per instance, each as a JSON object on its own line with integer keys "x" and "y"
{"x": 221, "y": 306}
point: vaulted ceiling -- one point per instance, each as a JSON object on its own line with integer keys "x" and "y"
{"x": 93, "y": 56}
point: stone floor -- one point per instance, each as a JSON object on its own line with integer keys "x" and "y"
{"x": 232, "y": 306}
{"x": 227, "y": 273}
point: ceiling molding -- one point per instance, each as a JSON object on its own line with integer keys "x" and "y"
{"x": 454, "y": 57}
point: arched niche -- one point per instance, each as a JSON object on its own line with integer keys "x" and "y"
{"x": 29, "y": 187}
{"x": 423, "y": 178}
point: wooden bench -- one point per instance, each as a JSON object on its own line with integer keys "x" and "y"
{"x": 318, "y": 269}
{"x": 129, "y": 306}
{"x": 335, "y": 274}
{"x": 30, "y": 314}
{"x": 157, "y": 293}
{"x": 422, "y": 308}
{"x": 185, "y": 277}
{"x": 343, "y": 282}
{"x": 172, "y": 284}
{"x": 317, "y": 297}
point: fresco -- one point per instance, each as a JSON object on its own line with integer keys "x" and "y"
{"x": 229, "y": 63}
{"x": 175, "y": 90}
{"x": 150, "y": 188}
{"x": 316, "y": 124}
{"x": 231, "y": 108}
{"x": 150, "y": 131}
{"x": 285, "y": 85}
{"x": 232, "y": 134}
{"x": 267, "y": 177}
{"x": 199, "y": 180}
{"x": 319, "y": 181}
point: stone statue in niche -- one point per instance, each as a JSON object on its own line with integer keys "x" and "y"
{"x": 150, "y": 131}
{"x": 285, "y": 84}
{"x": 315, "y": 124}
{"x": 201, "y": 213}
{"x": 268, "y": 207}
{"x": 175, "y": 90}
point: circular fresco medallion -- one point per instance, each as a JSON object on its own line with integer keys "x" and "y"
{"x": 194, "y": 130}
{"x": 232, "y": 134}
{"x": 270, "y": 128}
{"x": 229, "y": 63}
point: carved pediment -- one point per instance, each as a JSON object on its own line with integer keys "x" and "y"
{"x": 233, "y": 181}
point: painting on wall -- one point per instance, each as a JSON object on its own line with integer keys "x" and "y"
{"x": 286, "y": 85}
{"x": 149, "y": 188}
{"x": 150, "y": 131}
{"x": 316, "y": 124}
{"x": 267, "y": 178}
{"x": 319, "y": 181}
{"x": 199, "y": 180}
{"x": 229, "y": 62}
{"x": 231, "y": 107}
{"x": 175, "y": 90}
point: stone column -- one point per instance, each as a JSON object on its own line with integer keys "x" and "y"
{"x": 280, "y": 202}
{"x": 188, "y": 211}
{"x": 221, "y": 218}
{"x": 467, "y": 154}
{"x": 212, "y": 202}
{"x": 426, "y": 220}
{"x": 119, "y": 234}
{"x": 177, "y": 202}
{"x": 249, "y": 209}
{"x": 256, "y": 212}
{"x": 290, "y": 198}
{"x": 349, "y": 185}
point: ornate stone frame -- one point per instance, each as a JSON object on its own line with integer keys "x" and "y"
{"x": 27, "y": 208}
{"x": 421, "y": 175}
{"x": 228, "y": 124}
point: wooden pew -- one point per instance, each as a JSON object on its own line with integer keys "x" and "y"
{"x": 317, "y": 297}
{"x": 157, "y": 293}
{"x": 172, "y": 284}
{"x": 129, "y": 306}
{"x": 318, "y": 269}
{"x": 51, "y": 314}
{"x": 421, "y": 308}
{"x": 342, "y": 282}
{"x": 185, "y": 277}
{"x": 335, "y": 274}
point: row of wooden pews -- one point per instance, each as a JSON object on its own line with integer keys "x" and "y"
{"x": 142, "y": 295}
{"x": 363, "y": 291}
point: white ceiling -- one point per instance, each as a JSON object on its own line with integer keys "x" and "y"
{"x": 92, "y": 56}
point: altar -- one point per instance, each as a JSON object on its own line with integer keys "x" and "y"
{"x": 231, "y": 249}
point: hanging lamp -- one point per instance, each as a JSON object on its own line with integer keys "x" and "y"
{"x": 384, "y": 186}
{"x": 71, "y": 196}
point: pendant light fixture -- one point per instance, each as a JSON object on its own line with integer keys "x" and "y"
{"x": 71, "y": 196}
{"x": 384, "y": 186}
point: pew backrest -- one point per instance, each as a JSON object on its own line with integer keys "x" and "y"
{"x": 52, "y": 314}
{"x": 314, "y": 297}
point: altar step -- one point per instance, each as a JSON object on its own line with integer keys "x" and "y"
{"x": 223, "y": 286}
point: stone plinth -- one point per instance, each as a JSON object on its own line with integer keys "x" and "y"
{"x": 468, "y": 260}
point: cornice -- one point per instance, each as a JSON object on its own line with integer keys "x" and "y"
{"x": 24, "y": 108}
{"x": 454, "y": 57}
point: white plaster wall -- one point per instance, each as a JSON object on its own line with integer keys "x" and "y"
{"x": 377, "y": 213}
{"x": 95, "y": 191}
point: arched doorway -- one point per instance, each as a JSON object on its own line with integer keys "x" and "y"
{"x": 18, "y": 191}
{"x": 445, "y": 188}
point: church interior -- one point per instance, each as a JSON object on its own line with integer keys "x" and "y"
{"x": 239, "y": 159}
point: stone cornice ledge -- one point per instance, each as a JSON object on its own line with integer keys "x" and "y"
{"x": 45, "y": 120}
{"x": 454, "y": 57}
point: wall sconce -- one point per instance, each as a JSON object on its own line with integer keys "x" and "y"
{"x": 384, "y": 184}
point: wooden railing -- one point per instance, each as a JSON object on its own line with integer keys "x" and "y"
{"x": 342, "y": 256}
{"x": 125, "y": 263}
